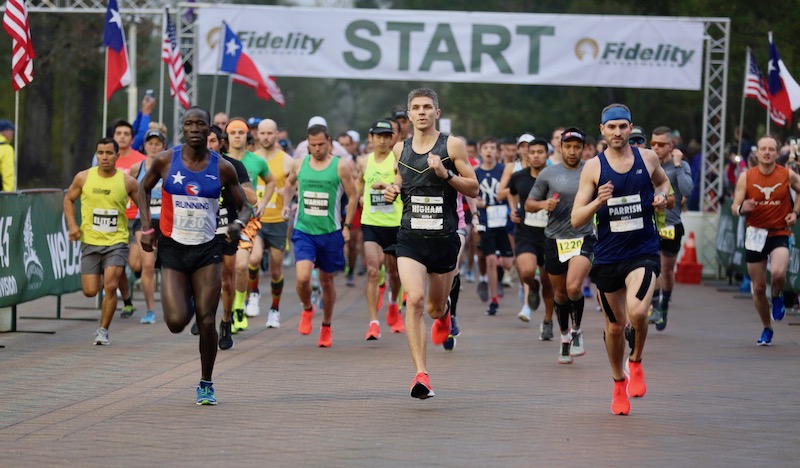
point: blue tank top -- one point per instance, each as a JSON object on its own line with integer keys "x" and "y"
{"x": 625, "y": 227}
{"x": 155, "y": 194}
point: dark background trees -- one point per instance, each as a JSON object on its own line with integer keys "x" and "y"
{"x": 61, "y": 110}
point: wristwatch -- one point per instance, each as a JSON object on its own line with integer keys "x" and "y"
{"x": 348, "y": 226}
{"x": 450, "y": 174}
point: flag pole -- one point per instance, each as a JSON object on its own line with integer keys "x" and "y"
{"x": 741, "y": 109}
{"x": 221, "y": 45}
{"x": 105, "y": 96}
{"x": 161, "y": 72}
{"x": 16, "y": 140}
{"x": 769, "y": 93}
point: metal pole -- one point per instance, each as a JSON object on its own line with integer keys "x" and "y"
{"x": 16, "y": 141}
{"x": 161, "y": 74}
{"x": 228, "y": 99}
{"x": 105, "y": 96}
{"x": 741, "y": 109}
{"x": 133, "y": 90}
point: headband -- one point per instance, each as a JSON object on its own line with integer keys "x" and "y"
{"x": 615, "y": 113}
{"x": 237, "y": 124}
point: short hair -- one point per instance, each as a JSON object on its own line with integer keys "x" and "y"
{"x": 217, "y": 131}
{"x": 771, "y": 137}
{"x": 200, "y": 109}
{"x": 344, "y": 134}
{"x": 485, "y": 140}
{"x": 108, "y": 141}
{"x": 472, "y": 143}
{"x": 658, "y": 131}
{"x": 123, "y": 123}
{"x": 424, "y": 92}
{"x": 508, "y": 141}
{"x": 318, "y": 129}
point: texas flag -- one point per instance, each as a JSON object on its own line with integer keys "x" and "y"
{"x": 237, "y": 62}
{"x": 784, "y": 92}
{"x": 118, "y": 73}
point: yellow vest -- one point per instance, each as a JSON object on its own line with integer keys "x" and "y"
{"x": 103, "y": 201}
{"x": 376, "y": 212}
{"x": 273, "y": 213}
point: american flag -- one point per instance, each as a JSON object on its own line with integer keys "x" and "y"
{"x": 16, "y": 24}
{"x": 171, "y": 54}
{"x": 755, "y": 87}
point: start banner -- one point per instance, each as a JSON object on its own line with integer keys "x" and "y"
{"x": 477, "y": 47}
{"x": 36, "y": 256}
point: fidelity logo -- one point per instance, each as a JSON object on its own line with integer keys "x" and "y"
{"x": 267, "y": 42}
{"x": 621, "y": 53}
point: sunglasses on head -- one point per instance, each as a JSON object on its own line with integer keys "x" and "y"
{"x": 636, "y": 141}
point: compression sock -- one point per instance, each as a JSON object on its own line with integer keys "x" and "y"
{"x": 252, "y": 273}
{"x": 238, "y": 300}
{"x": 454, "y": 291}
{"x": 665, "y": 297}
{"x": 577, "y": 311}
{"x": 277, "y": 290}
{"x": 562, "y": 314}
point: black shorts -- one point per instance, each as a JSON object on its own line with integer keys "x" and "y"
{"x": 526, "y": 242}
{"x": 771, "y": 244}
{"x": 554, "y": 266}
{"x": 228, "y": 248}
{"x": 495, "y": 241}
{"x": 438, "y": 254}
{"x": 381, "y": 235}
{"x": 187, "y": 258}
{"x": 671, "y": 247}
{"x": 610, "y": 277}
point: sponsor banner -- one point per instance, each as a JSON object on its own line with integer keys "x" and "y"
{"x": 36, "y": 256}
{"x": 478, "y": 47}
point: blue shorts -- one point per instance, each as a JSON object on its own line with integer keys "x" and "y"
{"x": 326, "y": 251}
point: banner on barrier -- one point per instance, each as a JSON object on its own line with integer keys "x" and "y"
{"x": 478, "y": 47}
{"x": 36, "y": 256}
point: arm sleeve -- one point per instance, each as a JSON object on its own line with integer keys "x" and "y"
{"x": 7, "y": 169}
{"x": 140, "y": 126}
{"x": 684, "y": 176}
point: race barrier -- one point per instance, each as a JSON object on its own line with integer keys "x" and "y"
{"x": 37, "y": 258}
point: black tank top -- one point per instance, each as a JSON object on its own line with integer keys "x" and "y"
{"x": 429, "y": 202}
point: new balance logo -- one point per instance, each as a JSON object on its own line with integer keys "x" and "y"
{"x": 767, "y": 191}
{"x": 638, "y": 171}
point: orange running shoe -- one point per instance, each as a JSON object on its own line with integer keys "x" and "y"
{"x": 440, "y": 329}
{"x": 374, "y": 331}
{"x": 305, "y": 321}
{"x": 399, "y": 326}
{"x": 392, "y": 314}
{"x": 421, "y": 388}
{"x": 637, "y": 388}
{"x": 325, "y": 338}
{"x": 619, "y": 399}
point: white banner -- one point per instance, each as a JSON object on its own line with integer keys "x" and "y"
{"x": 478, "y": 47}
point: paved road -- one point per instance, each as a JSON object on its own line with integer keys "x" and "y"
{"x": 714, "y": 398}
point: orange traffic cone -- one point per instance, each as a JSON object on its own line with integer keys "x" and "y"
{"x": 689, "y": 271}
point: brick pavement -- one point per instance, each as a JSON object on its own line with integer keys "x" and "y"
{"x": 714, "y": 398}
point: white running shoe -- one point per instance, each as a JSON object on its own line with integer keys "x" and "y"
{"x": 274, "y": 319}
{"x": 252, "y": 309}
{"x": 576, "y": 345}
{"x": 525, "y": 314}
{"x": 101, "y": 337}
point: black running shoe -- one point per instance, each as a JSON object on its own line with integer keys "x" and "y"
{"x": 662, "y": 323}
{"x": 533, "y": 296}
{"x": 195, "y": 331}
{"x": 225, "y": 338}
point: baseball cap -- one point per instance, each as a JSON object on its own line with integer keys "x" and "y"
{"x": 6, "y": 125}
{"x": 156, "y": 134}
{"x": 525, "y": 138}
{"x": 253, "y": 121}
{"x": 380, "y": 127}
{"x": 400, "y": 114}
{"x": 354, "y": 135}
{"x": 317, "y": 120}
{"x": 573, "y": 133}
{"x": 637, "y": 135}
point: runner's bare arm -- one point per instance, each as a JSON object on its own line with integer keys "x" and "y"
{"x": 362, "y": 168}
{"x": 72, "y": 194}
{"x": 741, "y": 206}
{"x": 350, "y": 190}
{"x": 392, "y": 191}
{"x": 249, "y": 192}
{"x": 585, "y": 206}
{"x": 156, "y": 172}
{"x": 502, "y": 191}
{"x": 132, "y": 188}
{"x": 269, "y": 188}
{"x": 229, "y": 179}
{"x": 661, "y": 183}
{"x": 794, "y": 182}
{"x": 290, "y": 187}
{"x": 512, "y": 207}
{"x": 466, "y": 182}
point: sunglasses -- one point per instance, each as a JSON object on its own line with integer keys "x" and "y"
{"x": 636, "y": 141}
{"x": 658, "y": 143}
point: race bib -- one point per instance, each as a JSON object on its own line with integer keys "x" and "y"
{"x": 496, "y": 216}
{"x": 315, "y": 203}
{"x": 667, "y": 232}
{"x": 222, "y": 221}
{"x": 755, "y": 239}
{"x": 155, "y": 207}
{"x": 568, "y": 248}
{"x": 104, "y": 220}
{"x": 625, "y": 213}
{"x": 427, "y": 213}
{"x": 378, "y": 203}
{"x": 538, "y": 219}
{"x": 188, "y": 225}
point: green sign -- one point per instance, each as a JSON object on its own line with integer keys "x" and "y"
{"x": 36, "y": 256}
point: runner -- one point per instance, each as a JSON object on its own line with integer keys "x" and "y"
{"x": 380, "y": 222}
{"x": 623, "y": 186}
{"x": 104, "y": 191}
{"x": 529, "y": 233}
{"x": 568, "y": 250}
{"x": 680, "y": 178}
{"x": 319, "y": 235}
{"x": 432, "y": 168}
{"x": 189, "y": 254}
{"x": 264, "y": 182}
{"x": 272, "y": 234}
{"x": 763, "y": 196}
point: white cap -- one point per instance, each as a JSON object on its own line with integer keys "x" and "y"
{"x": 317, "y": 120}
{"x": 525, "y": 138}
{"x": 354, "y": 135}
